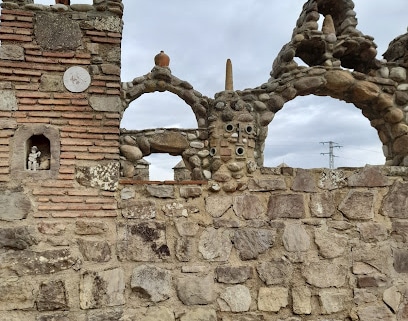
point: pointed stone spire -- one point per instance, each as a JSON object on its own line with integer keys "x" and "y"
{"x": 229, "y": 82}
{"x": 328, "y": 25}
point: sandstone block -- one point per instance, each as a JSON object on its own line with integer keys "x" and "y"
{"x": 277, "y": 272}
{"x": 335, "y": 273}
{"x": 17, "y": 238}
{"x": 90, "y": 228}
{"x": 11, "y": 52}
{"x": 252, "y": 242}
{"x": 185, "y": 248}
{"x": 400, "y": 260}
{"x": 215, "y": 244}
{"x": 376, "y": 313}
{"x": 331, "y": 245}
{"x": 102, "y": 289}
{"x": 333, "y": 300}
{"x": 322, "y": 205}
{"x": 143, "y": 242}
{"x": 273, "y": 299}
{"x": 395, "y": 204}
{"x": 248, "y": 207}
{"x": 153, "y": 282}
{"x": 105, "y": 103}
{"x": 286, "y": 206}
{"x": 169, "y": 142}
{"x": 369, "y": 176}
{"x": 16, "y": 296}
{"x": 52, "y": 296}
{"x": 216, "y": 206}
{"x": 195, "y": 290}
{"x": 161, "y": 191}
{"x": 236, "y": 298}
{"x": 200, "y": 314}
{"x": 266, "y": 185}
{"x": 301, "y": 297}
{"x": 14, "y": 206}
{"x": 304, "y": 182}
{"x": 392, "y": 298}
{"x": 233, "y": 274}
{"x": 295, "y": 238}
{"x": 358, "y": 205}
{"x": 138, "y": 209}
{"x": 95, "y": 251}
{"x": 156, "y": 314}
{"x": 104, "y": 315}
{"x": 373, "y": 232}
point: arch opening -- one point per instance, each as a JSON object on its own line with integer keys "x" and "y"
{"x": 298, "y": 131}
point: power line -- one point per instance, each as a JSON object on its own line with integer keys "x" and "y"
{"x": 332, "y": 145}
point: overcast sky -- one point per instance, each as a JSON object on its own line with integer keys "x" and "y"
{"x": 200, "y": 35}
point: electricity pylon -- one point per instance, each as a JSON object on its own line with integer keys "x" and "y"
{"x": 332, "y": 145}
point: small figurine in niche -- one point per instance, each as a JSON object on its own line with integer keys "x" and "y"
{"x": 32, "y": 159}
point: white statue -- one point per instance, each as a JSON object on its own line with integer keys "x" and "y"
{"x": 33, "y": 162}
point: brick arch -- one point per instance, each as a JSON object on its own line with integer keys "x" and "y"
{"x": 160, "y": 79}
{"x": 367, "y": 95}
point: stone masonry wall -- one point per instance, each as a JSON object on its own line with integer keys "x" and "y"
{"x": 82, "y": 238}
{"x": 293, "y": 245}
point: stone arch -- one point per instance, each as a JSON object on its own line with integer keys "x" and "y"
{"x": 369, "y": 96}
{"x": 160, "y": 79}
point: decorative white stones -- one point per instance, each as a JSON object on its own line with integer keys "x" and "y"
{"x": 77, "y": 79}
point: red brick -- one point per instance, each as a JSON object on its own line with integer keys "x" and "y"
{"x": 16, "y": 38}
{"x": 112, "y": 156}
{"x": 58, "y": 122}
{"x": 67, "y": 177}
{"x": 24, "y": 65}
{"x": 113, "y": 85}
{"x": 5, "y": 29}
{"x": 41, "y": 114}
{"x": 48, "y": 191}
{"x": 67, "y": 199}
{"x": 4, "y": 170}
{"x": 85, "y": 136}
{"x": 105, "y": 40}
{"x": 95, "y": 33}
{"x": 114, "y": 35}
{"x": 75, "y": 122}
{"x": 70, "y": 95}
{"x": 113, "y": 92}
{"x": 96, "y": 90}
{"x": 78, "y": 115}
{"x": 75, "y": 61}
{"x": 26, "y": 19}
{"x": 98, "y": 83}
{"x": 5, "y": 114}
{"x": 100, "y": 200}
{"x": 41, "y": 60}
{"x": 111, "y": 78}
{"x": 83, "y": 55}
{"x": 26, "y": 32}
{"x": 6, "y": 71}
{"x": 54, "y": 101}
{"x": 41, "y": 215}
{"x": 18, "y": 24}
{"x": 52, "y": 207}
{"x": 32, "y": 94}
{"x": 74, "y": 129}
{"x": 67, "y": 170}
{"x": 56, "y": 184}
{"x": 6, "y": 133}
{"x": 15, "y": 78}
{"x": 110, "y": 143}
{"x": 18, "y": 12}
{"x": 76, "y": 142}
{"x": 112, "y": 123}
{"x": 5, "y": 149}
{"x": 87, "y": 156}
{"x": 88, "y": 192}
{"x": 59, "y": 54}
{"x": 67, "y": 155}
{"x": 73, "y": 148}
{"x": 33, "y": 120}
{"x": 4, "y": 141}
{"x": 43, "y": 199}
{"x": 67, "y": 162}
{"x": 80, "y": 102}
{"x": 113, "y": 116}
{"x": 111, "y": 150}
{"x": 27, "y": 72}
{"x": 73, "y": 214}
{"x": 71, "y": 108}
{"x": 33, "y": 107}
{"x": 107, "y": 130}
{"x": 7, "y": 17}
{"x": 27, "y": 87}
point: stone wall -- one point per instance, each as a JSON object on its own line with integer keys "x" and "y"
{"x": 83, "y": 237}
{"x": 293, "y": 245}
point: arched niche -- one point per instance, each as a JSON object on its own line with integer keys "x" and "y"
{"x": 298, "y": 131}
{"x": 47, "y": 141}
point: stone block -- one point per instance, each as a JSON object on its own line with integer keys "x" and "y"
{"x": 200, "y": 314}
{"x": 378, "y": 256}
{"x": 252, "y": 242}
{"x": 105, "y": 103}
{"x": 331, "y": 245}
{"x": 373, "y": 232}
{"x": 273, "y": 299}
{"x": 37, "y": 263}
{"x": 102, "y": 289}
{"x": 16, "y": 238}
{"x": 236, "y": 298}
{"x": 217, "y": 206}
{"x": 358, "y": 205}
{"x": 14, "y": 205}
{"x": 52, "y": 296}
{"x": 375, "y": 313}
{"x": 16, "y": 296}
{"x": 138, "y": 209}
{"x": 266, "y": 185}
{"x": 143, "y": 242}
{"x": 395, "y": 204}
{"x": 152, "y": 282}
{"x": 161, "y": 191}
{"x": 369, "y": 176}
{"x": 190, "y": 192}
{"x": 95, "y": 251}
{"x": 185, "y": 248}
{"x": 286, "y": 206}
{"x": 322, "y": 205}
{"x": 233, "y": 274}
{"x": 276, "y": 272}
{"x": 295, "y": 238}
{"x": 194, "y": 290}
{"x": 105, "y": 315}
{"x": 156, "y": 314}
{"x": 304, "y": 181}
{"x": 215, "y": 244}
{"x": 51, "y": 83}
{"x": 103, "y": 176}
{"x": 90, "y": 227}
{"x": 400, "y": 260}
{"x": 302, "y": 300}
{"x": 333, "y": 300}
{"x": 335, "y": 273}
{"x": 248, "y": 207}
{"x": 8, "y": 100}
{"x": 12, "y": 52}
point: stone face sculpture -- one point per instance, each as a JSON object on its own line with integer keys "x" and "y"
{"x": 33, "y": 157}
